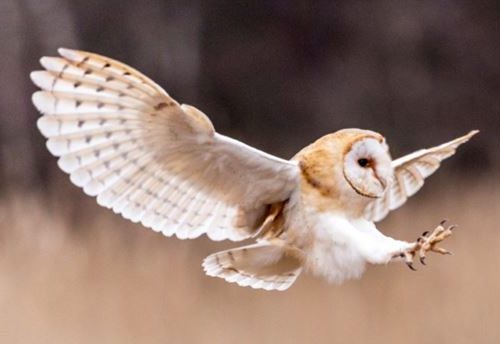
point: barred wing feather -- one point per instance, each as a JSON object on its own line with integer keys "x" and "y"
{"x": 409, "y": 174}
{"x": 122, "y": 138}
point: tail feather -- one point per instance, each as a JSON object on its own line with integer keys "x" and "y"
{"x": 260, "y": 266}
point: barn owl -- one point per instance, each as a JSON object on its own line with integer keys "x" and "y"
{"x": 124, "y": 140}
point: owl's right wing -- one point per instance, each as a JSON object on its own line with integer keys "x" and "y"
{"x": 122, "y": 138}
{"x": 409, "y": 174}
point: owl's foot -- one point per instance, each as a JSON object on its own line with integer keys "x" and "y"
{"x": 427, "y": 242}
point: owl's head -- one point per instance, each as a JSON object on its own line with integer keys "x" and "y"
{"x": 349, "y": 167}
{"x": 367, "y": 166}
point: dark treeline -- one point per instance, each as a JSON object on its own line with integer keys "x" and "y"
{"x": 276, "y": 74}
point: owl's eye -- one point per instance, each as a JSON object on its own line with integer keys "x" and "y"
{"x": 363, "y": 162}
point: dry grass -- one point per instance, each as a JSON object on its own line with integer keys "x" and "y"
{"x": 107, "y": 281}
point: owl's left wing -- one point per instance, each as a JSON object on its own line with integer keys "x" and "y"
{"x": 123, "y": 139}
{"x": 409, "y": 174}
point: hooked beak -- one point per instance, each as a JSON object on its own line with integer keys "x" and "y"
{"x": 383, "y": 182}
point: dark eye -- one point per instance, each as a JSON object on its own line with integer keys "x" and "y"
{"x": 363, "y": 162}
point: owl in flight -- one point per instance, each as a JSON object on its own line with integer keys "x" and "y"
{"x": 123, "y": 139}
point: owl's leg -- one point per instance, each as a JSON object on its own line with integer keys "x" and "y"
{"x": 427, "y": 243}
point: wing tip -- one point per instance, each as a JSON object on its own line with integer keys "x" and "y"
{"x": 66, "y": 52}
{"x": 461, "y": 140}
{"x": 46, "y": 128}
{"x": 47, "y": 62}
{"x": 472, "y": 133}
{"x": 41, "y": 78}
{"x": 43, "y": 101}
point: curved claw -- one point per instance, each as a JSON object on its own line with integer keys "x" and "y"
{"x": 443, "y": 222}
{"x": 427, "y": 242}
{"x": 410, "y": 265}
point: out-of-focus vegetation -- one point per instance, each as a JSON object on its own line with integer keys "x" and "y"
{"x": 113, "y": 282}
{"x": 277, "y": 75}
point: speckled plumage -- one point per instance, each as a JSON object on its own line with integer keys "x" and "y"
{"x": 124, "y": 140}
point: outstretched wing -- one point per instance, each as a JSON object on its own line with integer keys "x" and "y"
{"x": 409, "y": 174}
{"x": 122, "y": 138}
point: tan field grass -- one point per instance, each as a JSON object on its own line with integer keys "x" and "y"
{"x": 83, "y": 275}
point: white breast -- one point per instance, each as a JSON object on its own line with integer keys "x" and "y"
{"x": 325, "y": 238}
{"x": 332, "y": 254}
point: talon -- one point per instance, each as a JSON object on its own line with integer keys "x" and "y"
{"x": 427, "y": 242}
{"x": 443, "y": 222}
{"x": 410, "y": 265}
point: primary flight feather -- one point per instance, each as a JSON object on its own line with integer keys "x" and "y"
{"x": 123, "y": 139}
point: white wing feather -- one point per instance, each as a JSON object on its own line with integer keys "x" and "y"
{"x": 409, "y": 174}
{"x": 122, "y": 138}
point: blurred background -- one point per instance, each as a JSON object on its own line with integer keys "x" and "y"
{"x": 277, "y": 75}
